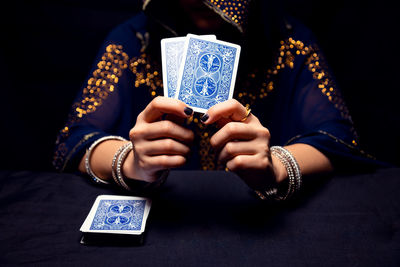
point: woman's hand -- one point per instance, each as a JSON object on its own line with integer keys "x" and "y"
{"x": 158, "y": 144}
{"x": 243, "y": 145}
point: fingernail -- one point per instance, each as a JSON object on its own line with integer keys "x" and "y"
{"x": 188, "y": 111}
{"x": 204, "y": 118}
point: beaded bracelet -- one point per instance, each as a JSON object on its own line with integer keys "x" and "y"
{"x": 293, "y": 162}
{"x": 89, "y": 153}
{"x": 294, "y": 176}
{"x": 118, "y": 160}
{"x": 118, "y": 168}
{"x": 114, "y": 163}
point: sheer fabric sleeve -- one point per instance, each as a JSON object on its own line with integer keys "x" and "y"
{"x": 310, "y": 109}
{"x": 105, "y": 104}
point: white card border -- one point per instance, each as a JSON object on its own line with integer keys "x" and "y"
{"x": 164, "y": 60}
{"x": 211, "y": 37}
{"x": 85, "y": 228}
{"x": 234, "y": 73}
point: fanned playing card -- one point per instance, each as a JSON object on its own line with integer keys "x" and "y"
{"x": 207, "y": 73}
{"x": 171, "y": 57}
{"x": 116, "y": 219}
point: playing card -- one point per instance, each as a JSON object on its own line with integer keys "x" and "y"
{"x": 208, "y": 72}
{"x": 171, "y": 57}
{"x": 117, "y": 215}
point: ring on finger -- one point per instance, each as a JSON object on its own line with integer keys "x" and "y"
{"x": 248, "y": 111}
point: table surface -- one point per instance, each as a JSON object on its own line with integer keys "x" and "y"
{"x": 206, "y": 219}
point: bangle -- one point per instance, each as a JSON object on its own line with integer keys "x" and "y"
{"x": 89, "y": 153}
{"x": 294, "y": 176}
{"x": 114, "y": 163}
{"x": 132, "y": 185}
{"x": 120, "y": 160}
{"x": 295, "y": 166}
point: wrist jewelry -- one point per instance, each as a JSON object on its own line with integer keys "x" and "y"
{"x": 114, "y": 163}
{"x": 294, "y": 176}
{"x": 118, "y": 160}
{"x": 89, "y": 153}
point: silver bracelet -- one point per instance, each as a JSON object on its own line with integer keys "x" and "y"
{"x": 294, "y": 176}
{"x": 89, "y": 153}
{"x": 118, "y": 160}
{"x": 294, "y": 165}
{"x": 114, "y": 163}
{"x": 118, "y": 168}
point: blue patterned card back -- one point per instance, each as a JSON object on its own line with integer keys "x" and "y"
{"x": 171, "y": 56}
{"x": 119, "y": 215}
{"x": 208, "y": 73}
{"x": 171, "y": 52}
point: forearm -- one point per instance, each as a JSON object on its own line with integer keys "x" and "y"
{"x": 101, "y": 158}
{"x": 310, "y": 160}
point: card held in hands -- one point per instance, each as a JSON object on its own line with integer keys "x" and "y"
{"x": 114, "y": 218}
{"x": 171, "y": 57}
{"x": 207, "y": 73}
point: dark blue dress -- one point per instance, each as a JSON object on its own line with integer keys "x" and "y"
{"x": 294, "y": 96}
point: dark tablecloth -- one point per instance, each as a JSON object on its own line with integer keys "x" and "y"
{"x": 207, "y": 218}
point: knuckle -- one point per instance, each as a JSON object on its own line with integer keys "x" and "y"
{"x": 236, "y": 104}
{"x": 186, "y": 151}
{"x": 156, "y": 102}
{"x": 140, "y": 116}
{"x": 190, "y": 136}
{"x": 213, "y": 142}
{"x": 264, "y": 132}
{"x": 135, "y": 133}
{"x": 180, "y": 161}
{"x": 131, "y": 134}
{"x": 164, "y": 161}
{"x": 238, "y": 163}
{"x": 229, "y": 148}
{"x": 265, "y": 162}
{"x": 263, "y": 147}
{"x": 231, "y": 128}
{"x": 169, "y": 144}
{"x": 166, "y": 126}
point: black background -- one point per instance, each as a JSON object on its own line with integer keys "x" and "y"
{"x": 48, "y": 48}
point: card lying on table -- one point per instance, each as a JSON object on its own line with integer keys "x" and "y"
{"x": 199, "y": 70}
{"x": 116, "y": 220}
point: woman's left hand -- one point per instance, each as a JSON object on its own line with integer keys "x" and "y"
{"x": 242, "y": 144}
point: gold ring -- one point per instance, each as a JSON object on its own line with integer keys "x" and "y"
{"x": 248, "y": 110}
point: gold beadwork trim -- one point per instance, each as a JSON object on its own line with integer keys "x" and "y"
{"x": 289, "y": 50}
{"x": 232, "y": 11}
{"x": 352, "y": 146}
{"x": 114, "y": 61}
{"x": 146, "y": 74}
{"x": 102, "y": 83}
{"x": 57, "y": 161}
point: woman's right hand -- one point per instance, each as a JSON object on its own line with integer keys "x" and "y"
{"x": 158, "y": 144}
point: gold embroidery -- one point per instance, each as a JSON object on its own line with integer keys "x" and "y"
{"x": 114, "y": 61}
{"x": 234, "y": 11}
{"x": 146, "y": 74}
{"x": 59, "y": 155}
{"x": 288, "y": 51}
{"x": 98, "y": 88}
{"x": 103, "y": 82}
